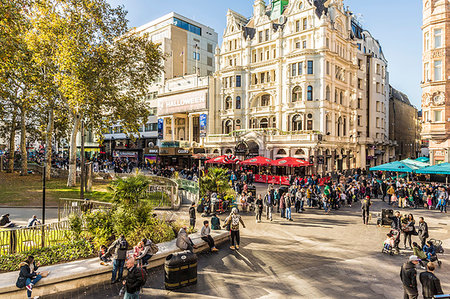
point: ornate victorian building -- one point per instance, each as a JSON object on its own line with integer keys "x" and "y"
{"x": 301, "y": 79}
{"x": 436, "y": 75}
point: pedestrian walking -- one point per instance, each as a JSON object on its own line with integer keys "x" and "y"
{"x": 431, "y": 285}
{"x": 283, "y": 205}
{"x": 365, "y": 208}
{"x": 192, "y": 215}
{"x": 422, "y": 231}
{"x": 259, "y": 208}
{"x": 269, "y": 201}
{"x": 408, "y": 275}
{"x": 134, "y": 281}
{"x": 118, "y": 250}
{"x": 288, "y": 203}
{"x": 233, "y": 221}
{"x": 408, "y": 229}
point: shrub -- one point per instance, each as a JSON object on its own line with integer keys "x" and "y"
{"x": 76, "y": 225}
{"x": 99, "y": 227}
{"x": 64, "y": 252}
{"x": 156, "y": 230}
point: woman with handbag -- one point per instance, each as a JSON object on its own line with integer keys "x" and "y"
{"x": 408, "y": 229}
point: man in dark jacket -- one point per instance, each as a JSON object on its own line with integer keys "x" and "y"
{"x": 192, "y": 215}
{"x": 430, "y": 283}
{"x": 408, "y": 275}
{"x": 365, "y": 207}
{"x": 423, "y": 231}
{"x": 135, "y": 280}
{"x": 27, "y": 277}
{"x": 118, "y": 250}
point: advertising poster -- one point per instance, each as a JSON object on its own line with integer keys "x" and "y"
{"x": 160, "y": 128}
{"x": 203, "y": 125}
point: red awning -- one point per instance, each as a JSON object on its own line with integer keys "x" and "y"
{"x": 257, "y": 161}
{"x": 290, "y": 162}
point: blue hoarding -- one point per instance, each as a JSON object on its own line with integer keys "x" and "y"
{"x": 160, "y": 128}
{"x": 203, "y": 125}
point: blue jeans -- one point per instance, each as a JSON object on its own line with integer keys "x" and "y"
{"x": 131, "y": 296}
{"x": 34, "y": 281}
{"x": 117, "y": 265}
{"x": 325, "y": 207}
{"x": 288, "y": 213}
{"x": 146, "y": 258}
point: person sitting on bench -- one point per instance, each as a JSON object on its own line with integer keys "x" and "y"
{"x": 206, "y": 236}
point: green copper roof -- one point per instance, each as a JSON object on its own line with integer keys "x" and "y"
{"x": 278, "y": 8}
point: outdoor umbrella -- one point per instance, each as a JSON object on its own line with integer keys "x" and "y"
{"x": 259, "y": 161}
{"x": 443, "y": 168}
{"x": 290, "y": 162}
{"x": 423, "y": 159}
{"x": 217, "y": 160}
{"x": 394, "y": 167}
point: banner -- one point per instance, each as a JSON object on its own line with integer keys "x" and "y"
{"x": 203, "y": 125}
{"x": 160, "y": 128}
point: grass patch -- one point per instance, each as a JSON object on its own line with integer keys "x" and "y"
{"x": 17, "y": 191}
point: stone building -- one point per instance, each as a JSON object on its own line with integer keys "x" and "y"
{"x": 403, "y": 125}
{"x": 188, "y": 47}
{"x": 301, "y": 79}
{"x": 436, "y": 74}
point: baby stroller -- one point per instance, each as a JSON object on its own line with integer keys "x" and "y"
{"x": 389, "y": 247}
{"x": 439, "y": 249}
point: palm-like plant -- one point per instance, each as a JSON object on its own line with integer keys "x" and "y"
{"x": 131, "y": 190}
{"x": 216, "y": 180}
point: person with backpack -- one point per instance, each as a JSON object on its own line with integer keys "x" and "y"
{"x": 118, "y": 250}
{"x": 365, "y": 207}
{"x": 146, "y": 250}
{"x": 269, "y": 201}
{"x": 233, "y": 222}
{"x": 134, "y": 281}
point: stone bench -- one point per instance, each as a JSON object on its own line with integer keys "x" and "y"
{"x": 84, "y": 273}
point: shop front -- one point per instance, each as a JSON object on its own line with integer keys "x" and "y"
{"x": 175, "y": 157}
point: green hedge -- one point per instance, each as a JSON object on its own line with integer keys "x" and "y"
{"x": 60, "y": 253}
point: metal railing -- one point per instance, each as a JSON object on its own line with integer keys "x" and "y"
{"x": 68, "y": 206}
{"x": 19, "y": 239}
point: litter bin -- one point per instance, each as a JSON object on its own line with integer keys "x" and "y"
{"x": 180, "y": 270}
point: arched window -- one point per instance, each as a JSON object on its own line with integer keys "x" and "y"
{"x": 300, "y": 152}
{"x": 310, "y": 93}
{"x": 297, "y": 94}
{"x": 265, "y": 100}
{"x": 328, "y": 94}
{"x": 228, "y": 103}
{"x": 297, "y": 123}
{"x": 281, "y": 152}
{"x": 216, "y": 151}
{"x": 228, "y": 151}
{"x": 228, "y": 127}
{"x": 341, "y": 98}
{"x": 339, "y": 126}
{"x": 238, "y": 102}
{"x": 264, "y": 123}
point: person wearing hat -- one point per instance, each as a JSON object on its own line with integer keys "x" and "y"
{"x": 365, "y": 206}
{"x": 408, "y": 275}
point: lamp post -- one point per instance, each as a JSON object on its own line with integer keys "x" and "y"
{"x": 82, "y": 161}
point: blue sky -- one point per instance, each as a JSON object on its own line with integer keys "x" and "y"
{"x": 396, "y": 24}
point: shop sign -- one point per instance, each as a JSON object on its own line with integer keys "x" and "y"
{"x": 182, "y": 103}
{"x": 117, "y": 154}
{"x": 203, "y": 125}
{"x": 439, "y": 153}
{"x": 183, "y": 152}
{"x": 152, "y": 151}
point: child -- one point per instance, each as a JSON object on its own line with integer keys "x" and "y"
{"x": 389, "y": 242}
{"x": 103, "y": 256}
{"x": 430, "y": 202}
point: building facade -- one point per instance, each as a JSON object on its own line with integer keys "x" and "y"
{"x": 403, "y": 125}
{"x": 301, "y": 79}
{"x": 188, "y": 47}
{"x": 436, "y": 75}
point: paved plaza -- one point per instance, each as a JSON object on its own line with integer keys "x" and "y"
{"x": 315, "y": 256}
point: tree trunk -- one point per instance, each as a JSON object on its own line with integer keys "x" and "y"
{"x": 12, "y": 141}
{"x": 49, "y": 146}
{"x": 72, "y": 178}
{"x": 23, "y": 141}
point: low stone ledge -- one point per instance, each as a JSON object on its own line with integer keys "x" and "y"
{"x": 84, "y": 273}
